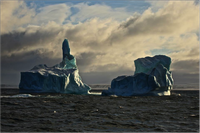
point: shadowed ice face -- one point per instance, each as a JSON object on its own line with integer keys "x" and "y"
{"x": 65, "y": 48}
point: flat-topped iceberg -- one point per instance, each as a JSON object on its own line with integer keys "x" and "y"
{"x": 61, "y": 78}
{"x": 152, "y": 77}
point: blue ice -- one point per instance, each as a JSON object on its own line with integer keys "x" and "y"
{"x": 61, "y": 78}
{"x": 152, "y": 77}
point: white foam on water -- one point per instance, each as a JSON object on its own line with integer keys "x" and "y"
{"x": 95, "y": 93}
{"x": 19, "y": 95}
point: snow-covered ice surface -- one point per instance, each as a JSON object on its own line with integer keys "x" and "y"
{"x": 152, "y": 77}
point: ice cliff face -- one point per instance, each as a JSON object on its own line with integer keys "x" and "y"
{"x": 152, "y": 77}
{"x": 61, "y": 78}
{"x": 157, "y": 66}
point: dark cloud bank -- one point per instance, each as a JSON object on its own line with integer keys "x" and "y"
{"x": 13, "y": 61}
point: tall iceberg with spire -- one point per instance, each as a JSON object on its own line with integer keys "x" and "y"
{"x": 61, "y": 78}
{"x": 152, "y": 77}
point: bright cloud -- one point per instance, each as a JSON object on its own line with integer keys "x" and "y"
{"x": 101, "y": 11}
{"x": 14, "y": 14}
{"x": 57, "y": 13}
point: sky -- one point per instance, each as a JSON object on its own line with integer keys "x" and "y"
{"x": 105, "y": 36}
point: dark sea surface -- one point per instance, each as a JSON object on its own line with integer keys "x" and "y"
{"x": 67, "y": 112}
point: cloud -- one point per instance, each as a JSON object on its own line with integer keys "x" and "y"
{"x": 186, "y": 66}
{"x": 104, "y": 47}
{"x": 156, "y": 5}
{"x": 57, "y": 13}
{"x": 175, "y": 18}
{"x": 185, "y": 78}
{"x": 101, "y": 11}
{"x": 31, "y": 38}
{"x": 103, "y": 77}
{"x": 14, "y": 14}
{"x": 84, "y": 59}
{"x": 25, "y": 61}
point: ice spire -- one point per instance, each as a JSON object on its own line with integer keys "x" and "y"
{"x": 65, "y": 48}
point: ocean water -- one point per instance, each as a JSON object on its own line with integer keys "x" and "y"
{"x": 68, "y": 113}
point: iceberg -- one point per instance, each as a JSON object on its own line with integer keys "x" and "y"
{"x": 61, "y": 78}
{"x": 152, "y": 78}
